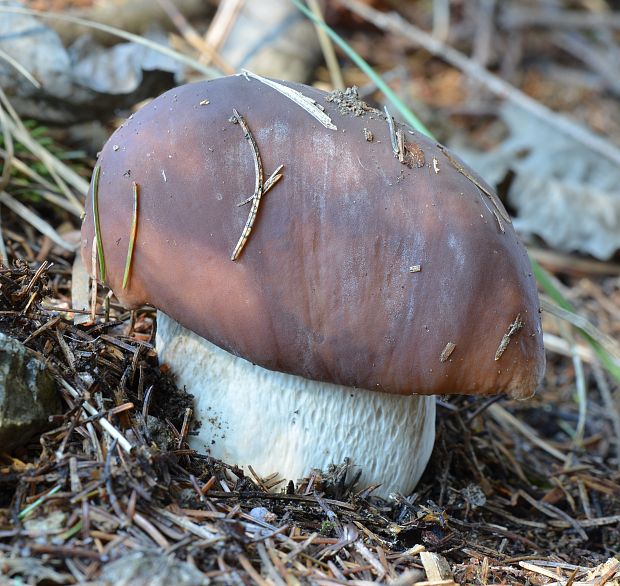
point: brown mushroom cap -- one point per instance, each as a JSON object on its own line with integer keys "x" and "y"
{"x": 326, "y": 286}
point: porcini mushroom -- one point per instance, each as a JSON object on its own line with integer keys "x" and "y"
{"x": 371, "y": 269}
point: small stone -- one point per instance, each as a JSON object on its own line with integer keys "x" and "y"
{"x": 27, "y": 394}
{"x": 263, "y": 514}
{"x": 474, "y": 495}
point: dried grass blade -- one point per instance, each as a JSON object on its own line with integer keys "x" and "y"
{"x": 190, "y": 34}
{"x": 304, "y": 102}
{"x": 6, "y": 173}
{"x": 4, "y": 256}
{"x": 609, "y": 344}
{"x": 57, "y": 169}
{"x": 331, "y": 60}
{"x": 132, "y": 235}
{"x": 580, "y": 384}
{"x": 19, "y": 68}
{"x": 10, "y": 150}
{"x": 34, "y": 220}
{"x": 393, "y": 140}
{"x": 29, "y": 172}
{"x": 501, "y": 415}
{"x": 60, "y": 202}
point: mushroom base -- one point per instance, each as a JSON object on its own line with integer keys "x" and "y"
{"x": 277, "y": 422}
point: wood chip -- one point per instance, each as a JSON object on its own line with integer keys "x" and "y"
{"x": 447, "y": 351}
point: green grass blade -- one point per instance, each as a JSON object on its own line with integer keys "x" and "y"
{"x": 96, "y": 222}
{"x": 25, "y": 512}
{"x": 132, "y": 236}
{"x": 405, "y": 112}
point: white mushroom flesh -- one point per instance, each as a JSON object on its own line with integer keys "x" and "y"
{"x": 277, "y": 422}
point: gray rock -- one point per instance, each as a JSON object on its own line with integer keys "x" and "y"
{"x": 27, "y": 394}
{"x": 79, "y": 83}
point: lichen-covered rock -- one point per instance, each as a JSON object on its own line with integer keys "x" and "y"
{"x": 27, "y": 394}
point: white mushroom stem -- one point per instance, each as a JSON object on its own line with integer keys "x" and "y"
{"x": 277, "y": 422}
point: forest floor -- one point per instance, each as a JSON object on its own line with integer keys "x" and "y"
{"x": 515, "y": 493}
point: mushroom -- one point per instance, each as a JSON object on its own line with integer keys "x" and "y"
{"x": 368, "y": 270}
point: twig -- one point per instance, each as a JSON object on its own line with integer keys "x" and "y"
{"x": 568, "y": 263}
{"x": 105, "y": 424}
{"x": 192, "y": 37}
{"x": 222, "y": 23}
{"x": 554, "y": 512}
{"x": 107, "y": 475}
{"x": 521, "y": 17}
{"x": 185, "y": 427}
{"x": 258, "y": 189}
{"x": 271, "y": 181}
{"x": 515, "y": 326}
{"x": 4, "y": 256}
{"x": 598, "y": 60}
{"x": 441, "y": 19}
{"x": 503, "y": 416}
{"x": 497, "y": 205}
{"x": 610, "y": 405}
